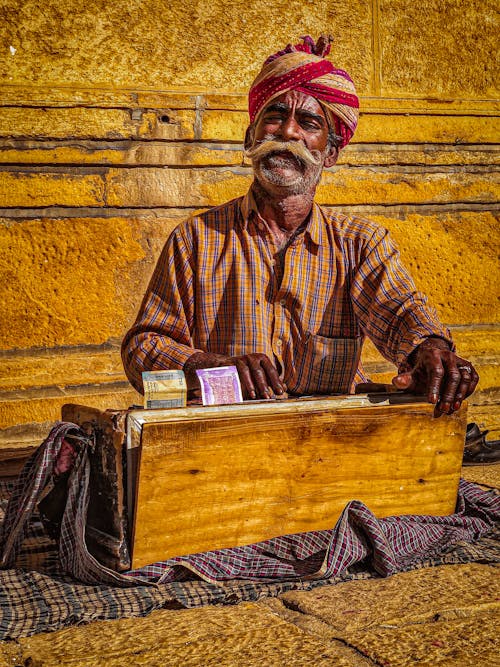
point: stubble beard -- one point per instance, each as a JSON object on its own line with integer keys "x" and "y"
{"x": 297, "y": 173}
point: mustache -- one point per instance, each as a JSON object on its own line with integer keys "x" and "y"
{"x": 270, "y": 146}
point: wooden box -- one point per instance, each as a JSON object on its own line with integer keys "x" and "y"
{"x": 203, "y": 478}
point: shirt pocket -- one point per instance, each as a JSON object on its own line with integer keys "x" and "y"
{"x": 326, "y": 365}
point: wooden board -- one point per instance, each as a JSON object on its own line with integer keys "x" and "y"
{"x": 214, "y": 477}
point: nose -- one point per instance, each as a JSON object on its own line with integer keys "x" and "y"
{"x": 290, "y": 129}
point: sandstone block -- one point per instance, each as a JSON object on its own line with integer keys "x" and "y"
{"x": 438, "y": 50}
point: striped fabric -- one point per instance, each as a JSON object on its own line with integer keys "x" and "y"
{"x": 222, "y": 285}
{"x": 303, "y": 67}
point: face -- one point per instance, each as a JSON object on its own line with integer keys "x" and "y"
{"x": 295, "y": 166}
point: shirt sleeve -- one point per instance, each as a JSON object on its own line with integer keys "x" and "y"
{"x": 161, "y": 335}
{"x": 391, "y": 311}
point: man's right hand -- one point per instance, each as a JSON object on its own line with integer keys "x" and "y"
{"x": 258, "y": 375}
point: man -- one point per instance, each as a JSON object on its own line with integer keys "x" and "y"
{"x": 279, "y": 287}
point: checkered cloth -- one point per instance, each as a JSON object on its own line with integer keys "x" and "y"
{"x": 41, "y": 593}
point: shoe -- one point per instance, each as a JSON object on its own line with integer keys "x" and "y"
{"x": 478, "y": 451}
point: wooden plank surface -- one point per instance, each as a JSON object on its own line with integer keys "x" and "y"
{"x": 243, "y": 475}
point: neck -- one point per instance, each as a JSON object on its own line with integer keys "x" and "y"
{"x": 285, "y": 212}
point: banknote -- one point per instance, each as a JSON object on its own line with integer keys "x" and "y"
{"x": 220, "y": 385}
{"x": 164, "y": 389}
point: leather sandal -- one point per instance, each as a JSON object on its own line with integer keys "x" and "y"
{"x": 479, "y": 451}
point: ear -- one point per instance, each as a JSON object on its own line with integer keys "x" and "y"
{"x": 332, "y": 157}
{"x": 249, "y": 137}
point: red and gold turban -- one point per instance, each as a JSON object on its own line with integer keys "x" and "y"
{"x": 303, "y": 67}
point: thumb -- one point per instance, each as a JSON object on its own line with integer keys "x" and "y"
{"x": 403, "y": 381}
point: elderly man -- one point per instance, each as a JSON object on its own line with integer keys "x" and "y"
{"x": 281, "y": 288}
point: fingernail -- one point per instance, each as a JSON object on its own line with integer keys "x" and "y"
{"x": 434, "y": 398}
{"x": 456, "y": 405}
{"x": 252, "y": 394}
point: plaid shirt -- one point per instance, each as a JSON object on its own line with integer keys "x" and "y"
{"x": 222, "y": 285}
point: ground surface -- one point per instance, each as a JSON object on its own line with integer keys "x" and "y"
{"x": 446, "y": 616}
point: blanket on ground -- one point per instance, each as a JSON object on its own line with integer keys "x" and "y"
{"x": 40, "y": 593}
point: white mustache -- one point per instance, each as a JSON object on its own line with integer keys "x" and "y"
{"x": 267, "y": 147}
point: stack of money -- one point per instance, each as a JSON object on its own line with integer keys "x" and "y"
{"x": 164, "y": 389}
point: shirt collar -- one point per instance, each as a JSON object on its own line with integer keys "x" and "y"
{"x": 248, "y": 208}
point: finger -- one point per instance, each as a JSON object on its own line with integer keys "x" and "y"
{"x": 245, "y": 375}
{"x": 449, "y": 388}
{"x": 463, "y": 389}
{"x": 436, "y": 375}
{"x": 272, "y": 375}
{"x": 468, "y": 382}
{"x": 259, "y": 376}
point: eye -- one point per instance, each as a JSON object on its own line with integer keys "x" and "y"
{"x": 310, "y": 124}
{"x": 273, "y": 118}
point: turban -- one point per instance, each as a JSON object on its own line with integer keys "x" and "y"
{"x": 303, "y": 67}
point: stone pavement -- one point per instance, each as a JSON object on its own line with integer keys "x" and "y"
{"x": 446, "y": 616}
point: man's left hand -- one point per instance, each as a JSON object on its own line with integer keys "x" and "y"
{"x": 438, "y": 373}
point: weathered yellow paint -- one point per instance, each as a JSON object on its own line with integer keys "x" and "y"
{"x": 62, "y": 123}
{"x": 95, "y": 123}
{"x": 454, "y": 260}
{"x": 163, "y": 45}
{"x": 159, "y": 154}
{"x": 427, "y": 129}
{"x": 385, "y": 186}
{"x": 388, "y": 128}
{"x": 61, "y": 368}
{"x": 441, "y": 49}
{"x": 174, "y": 187}
{"x": 487, "y": 417}
{"x": 149, "y": 187}
{"x": 188, "y": 44}
{"x": 428, "y": 154}
{"x": 64, "y": 288}
{"x": 32, "y": 188}
{"x": 47, "y": 408}
{"x": 38, "y": 95}
{"x": 167, "y": 125}
{"x": 55, "y": 154}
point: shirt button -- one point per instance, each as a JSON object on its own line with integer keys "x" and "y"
{"x": 283, "y": 302}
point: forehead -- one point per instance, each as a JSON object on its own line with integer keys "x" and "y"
{"x": 295, "y": 99}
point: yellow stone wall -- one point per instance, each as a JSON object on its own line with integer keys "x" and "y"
{"x": 119, "y": 119}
